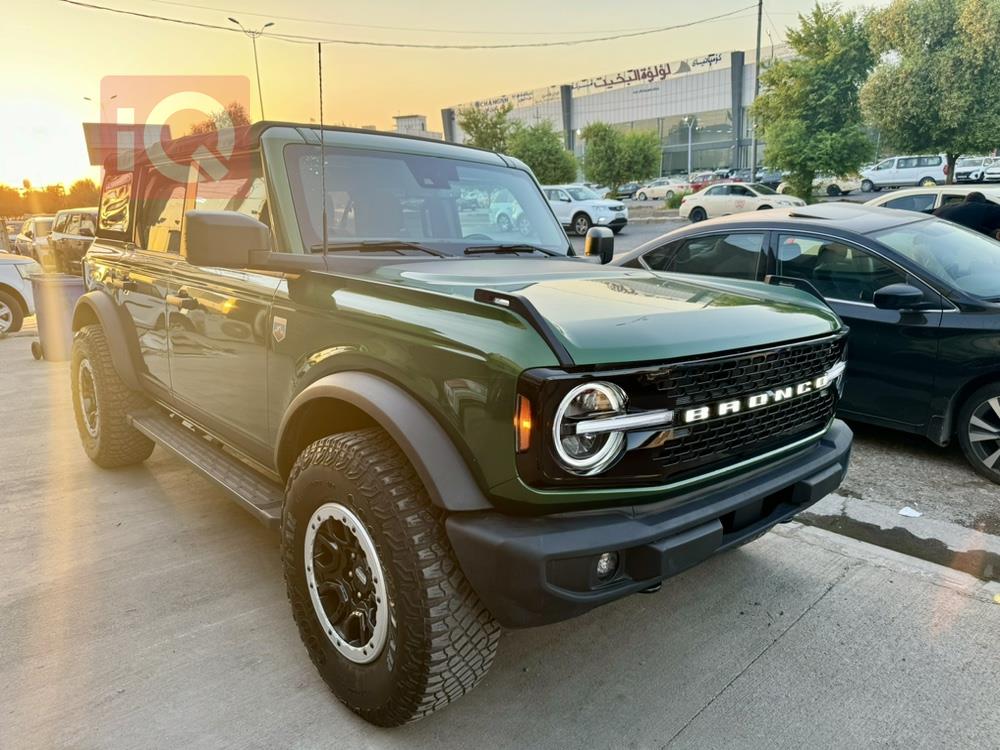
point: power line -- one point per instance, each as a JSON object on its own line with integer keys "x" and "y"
{"x": 396, "y": 28}
{"x": 306, "y": 39}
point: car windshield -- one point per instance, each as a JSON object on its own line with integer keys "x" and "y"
{"x": 377, "y": 196}
{"x": 969, "y": 163}
{"x": 582, "y": 194}
{"x": 960, "y": 257}
{"x": 762, "y": 189}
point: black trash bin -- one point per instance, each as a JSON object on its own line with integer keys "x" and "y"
{"x": 55, "y": 297}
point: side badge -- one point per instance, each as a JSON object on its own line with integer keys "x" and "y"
{"x": 278, "y": 328}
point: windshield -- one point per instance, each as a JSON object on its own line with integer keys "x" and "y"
{"x": 447, "y": 205}
{"x": 969, "y": 163}
{"x": 582, "y": 194}
{"x": 957, "y": 256}
{"x": 762, "y": 189}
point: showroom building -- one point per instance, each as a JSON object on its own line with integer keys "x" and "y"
{"x": 698, "y": 104}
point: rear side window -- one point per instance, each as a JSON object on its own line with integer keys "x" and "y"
{"x": 733, "y": 256}
{"x": 924, "y": 203}
{"x": 909, "y": 163}
{"x": 116, "y": 205}
{"x": 929, "y": 161}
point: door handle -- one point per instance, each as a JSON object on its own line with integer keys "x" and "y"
{"x": 125, "y": 284}
{"x": 182, "y": 300}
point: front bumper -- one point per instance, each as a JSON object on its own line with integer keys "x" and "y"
{"x": 538, "y": 570}
{"x": 615, "y": 222}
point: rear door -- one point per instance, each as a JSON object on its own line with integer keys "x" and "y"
{"x": 891, "y": 354}
{"x": 219, "y": 326}
{"x": 731, "y": 255}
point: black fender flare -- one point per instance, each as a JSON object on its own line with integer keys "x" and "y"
{"x": 430, "y": 450}
{"x": 120, "y": 335}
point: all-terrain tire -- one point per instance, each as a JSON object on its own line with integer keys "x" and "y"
{"x": 11, "y": 316}
{"x": 441, "y": 639}
{"x": 114, "y": 442}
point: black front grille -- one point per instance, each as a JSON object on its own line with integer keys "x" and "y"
{"x": 684, "y": 451}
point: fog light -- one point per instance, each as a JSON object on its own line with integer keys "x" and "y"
{"x": 607, "y": 564}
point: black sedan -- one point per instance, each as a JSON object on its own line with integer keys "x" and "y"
{"x": 920, "y": 295}
{"x": 624, "y": 191}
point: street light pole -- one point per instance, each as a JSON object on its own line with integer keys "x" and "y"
{"x": 253, "y": 34}
{"x": 756, "y": 91}
{"x": 689, "y": 121}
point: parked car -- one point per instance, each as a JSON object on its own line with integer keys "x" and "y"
{"x": 928, "y": 200}
{"x": 16, "y": 300}
{"x": 9, "y": 229}
{"x": 992, "y": 172}
{"x": 663, "y": 188}
{"x": 770, "y": 177}
{"x": 972, "y": 168}
{"x": 579, "y": 208}
{"x": 902, "y": 171}
{"x": 624, "y": 191}
{"x": 732, "y": 198}
{"x": 505, "y": 212}
{"x": 72, "y": 233}
{"x": 829, "y": 185}
{"x": 33, "y": 241}
{"x": 921, "y": 297}
{"x": 451, "y": 434}
{"x": 701, "y": 180}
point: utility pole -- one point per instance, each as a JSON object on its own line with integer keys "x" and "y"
{"x": 756, "y": 91}
{"x": 689, "y": 121}
{"x": 253, "y": 34}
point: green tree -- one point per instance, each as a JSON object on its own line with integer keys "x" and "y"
{"x": 808, "y": 111}
{"x": 612, "y": 157}
{"x": 488, "y": 128}
{"x": 10, "y": 201}
{"x": 83, "y": 193}
{"x": 541, "y": 148}
{"x": 935, "y": 87}
{"x": 233, "y": 115}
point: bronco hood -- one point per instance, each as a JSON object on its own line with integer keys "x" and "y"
{"x": 605, "y": 315}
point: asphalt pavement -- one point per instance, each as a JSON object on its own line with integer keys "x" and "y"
{"x": 141, "y": 608}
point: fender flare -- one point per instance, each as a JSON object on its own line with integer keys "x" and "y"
{"x": 430, "y": 450}
{"x": 122, "y": 341}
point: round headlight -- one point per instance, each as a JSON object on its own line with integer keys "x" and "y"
{"x": 589, "y": 453}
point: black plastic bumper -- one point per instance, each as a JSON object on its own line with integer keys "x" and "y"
{"x": 533, "y": 571}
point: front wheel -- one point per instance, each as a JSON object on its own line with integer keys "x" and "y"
{"x": 581, "y": 224}
{"x": 11, "y": 316}
{"x": 383, "y": 608}
{"x": 979, "y": 431}
{"x": 867, "y": 186}
{"x": 504, "y": 223}
{"x": 833, "y": 190}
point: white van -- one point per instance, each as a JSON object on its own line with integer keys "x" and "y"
{"x": 903, "y": 171}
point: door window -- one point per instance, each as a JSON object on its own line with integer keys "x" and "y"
{"x": 741, "y": 191}
{"x": 242, "y": 190}
{"x": 836, "y": 270}
{"x": 73, "y": 225}
{"x": 718, "y": 190}
{"x": 87, "y": 225}
{"x": 162, "y": 216}
{"x": 923, "y": 203}
{"x": 887, "y": 164}
{"x": 929, "y": 161}
{"x": 60, "y": 225}
{"x": 734, "y": 256}
{"x": 909, "y": 163}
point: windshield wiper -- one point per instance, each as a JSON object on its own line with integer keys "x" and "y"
{"x": 513, "y": 248}
{"x": 374, "y": 246}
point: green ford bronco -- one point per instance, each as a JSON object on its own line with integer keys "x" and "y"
{"x": 455, "y": 425}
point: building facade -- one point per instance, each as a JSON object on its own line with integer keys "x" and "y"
{"x": 414, "y": 125}
{"x": 698, "y": 104}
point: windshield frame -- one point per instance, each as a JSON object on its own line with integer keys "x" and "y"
{"x": 437, "y": 182}
{"x": 948, "y": 287}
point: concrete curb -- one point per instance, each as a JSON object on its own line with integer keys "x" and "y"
{"x": 653, "y": 219}
{"x": 940, "y": 542}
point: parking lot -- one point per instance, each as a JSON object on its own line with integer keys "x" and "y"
{"x": 143, "y": 609}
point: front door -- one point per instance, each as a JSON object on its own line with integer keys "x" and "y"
{"x": 892, "y": 354}
{"x": 219, "y": 329}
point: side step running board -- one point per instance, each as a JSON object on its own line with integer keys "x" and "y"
{"x": 255, "y": 492}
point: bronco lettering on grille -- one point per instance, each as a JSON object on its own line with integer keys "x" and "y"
{"x": 756, "y": 401}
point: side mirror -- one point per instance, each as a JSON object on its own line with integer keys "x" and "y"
{"x": 223, "y": 239}
{"x": 600, "y": 243}
{"x": 566, "y": 200}
{"x": 897, "y": 297}
{"x": 29, "y": 234}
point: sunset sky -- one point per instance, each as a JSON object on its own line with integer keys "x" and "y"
{"x": 55, "y": 54}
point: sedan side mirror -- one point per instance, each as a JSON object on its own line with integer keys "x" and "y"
{"x": 897, "y": 297}
{"x": 223, "y": 239}
{"x": 600, "y": 243}
{"x": 29, "y": 234}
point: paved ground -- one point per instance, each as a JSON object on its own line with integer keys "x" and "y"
{"x": 142, "y": 609}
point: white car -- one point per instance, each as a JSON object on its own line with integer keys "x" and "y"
{"x": 927, "y": 200}
{"x": 33, "y": 240}
{"x": 663, "y": 188}
{"x": 992, "y": 172}
{"x": 579, "y": 208}
{"x": 16, "y": 300}
{"x": 829, "y": 184}
{"x": 732, "y": 198}
{"x": 903, "y": 171}
{"x": 973, "y": 168}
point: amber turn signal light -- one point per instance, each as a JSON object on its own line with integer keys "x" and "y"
{"x": 522, "y": 424}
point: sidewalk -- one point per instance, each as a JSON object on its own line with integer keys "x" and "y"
{"x": 141, "y": 608}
